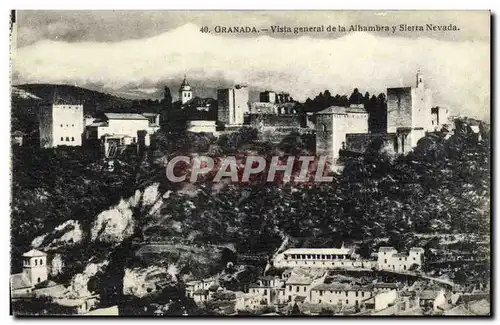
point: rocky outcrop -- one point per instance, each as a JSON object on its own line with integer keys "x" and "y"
{"x": 67, "y": 233}
{"x": 114, "y": 225}
{"x": 79, "y": 282}
{"x": 140, "y": 282}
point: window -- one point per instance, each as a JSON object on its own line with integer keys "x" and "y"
{"x": 347, "y": 302}
{"x": 297, "y": 289}
{"x": 385, "y": 261}
{"x": 346, "y": 293}
{"x": 36, "y": 262}
{"x": 357, "y": 293}
{"x": 62, "y": 139}
{"x": 41, "y": 262}
{"x": 72, "y": 138}
{"x": 67, "y": 139}
{"x": 321, "y": 292}
{"x": 265, "y": 291}
{"x": 38, "y": 280}
{"x": 305, "y": 288}
{"x": 290, "y": 288}
{"x": 362, "y": 294}
{"x": 72, "y": 125}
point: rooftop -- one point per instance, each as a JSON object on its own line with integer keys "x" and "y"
{"x": 34, "y": 253}
{"x": 328, "y": 251}
{"x": 428, "y": 294}
{"x": 124, "y": 116}
{"x": 19, "y": 281}
{"x": 342, "y": 110}
{"x": 386, "y": 249}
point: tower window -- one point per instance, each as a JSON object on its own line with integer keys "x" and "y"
{"x": 67, "y": 138}
{"x": 72, "y": 138}
{"x": 36, "y": 262}
{"x": 41, "y": 262}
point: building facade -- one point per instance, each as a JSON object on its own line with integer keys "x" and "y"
{"x": 232, "y": 103}
{"x": 409, "y": 113}
{"x": 61, "y": 124}
{"x": 389, "y": 259}
{"x": 332, "y": 125}
{"x": 439, "y": 117}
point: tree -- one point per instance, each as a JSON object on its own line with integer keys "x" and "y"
{"x": 356, "y": 97}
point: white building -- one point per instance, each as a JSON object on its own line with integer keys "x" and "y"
{"x": 61, "y": 123}
{"x": 201, "y": 126}
{"x": 123, "y": 126}
{"x": 340, "y": 294}
{"x": 34, "y": 272}
{"x": 319, "y": 258}
{"x": 232, "y": 104}
{"x": 390, "y": 259}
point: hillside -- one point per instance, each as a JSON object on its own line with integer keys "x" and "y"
{"x": 26, "y": 100}
{"x": 93, "y": 101}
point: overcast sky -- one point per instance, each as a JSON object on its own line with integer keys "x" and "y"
{"x": 134, "y": 53}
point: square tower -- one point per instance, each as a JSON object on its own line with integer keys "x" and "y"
{"x": 232, "y": 104}
{"x": 409, "y": 113}
{"x": 61, "y": 125}
{"x": 35, "y": 266}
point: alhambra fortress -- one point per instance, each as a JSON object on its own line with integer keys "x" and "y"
{"x": 336, "y": 130}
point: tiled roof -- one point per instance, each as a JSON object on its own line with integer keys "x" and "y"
{"x": 34, "y": 253}
{"x": 327, "y": 251}
{"x": 428, "y": 294}
{"x": 342, "y": 287}
{"x": 294, "y": 279}
{"x": 124, "y": 116}
{"x": 387, "y": 285}
{"x": 386, "y": 249}
{"x": 19, "y": 281}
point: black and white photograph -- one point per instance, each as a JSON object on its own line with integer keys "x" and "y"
{"x": 204, "y": 163}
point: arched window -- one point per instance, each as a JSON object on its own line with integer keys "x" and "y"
{"x": 38, "y": 279}
{"x": 62, "y": 139}
{"x": 36, "y": 262}
{"x": 72, "y": 138}
{"x": 41, "y": 262}
{"x": 67, "y": 139}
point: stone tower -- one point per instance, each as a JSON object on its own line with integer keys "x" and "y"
{"x": 185, "y": 92}
{"x": 35, "y": 266}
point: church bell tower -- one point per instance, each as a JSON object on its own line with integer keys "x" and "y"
{"x": 185, "y": 92}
